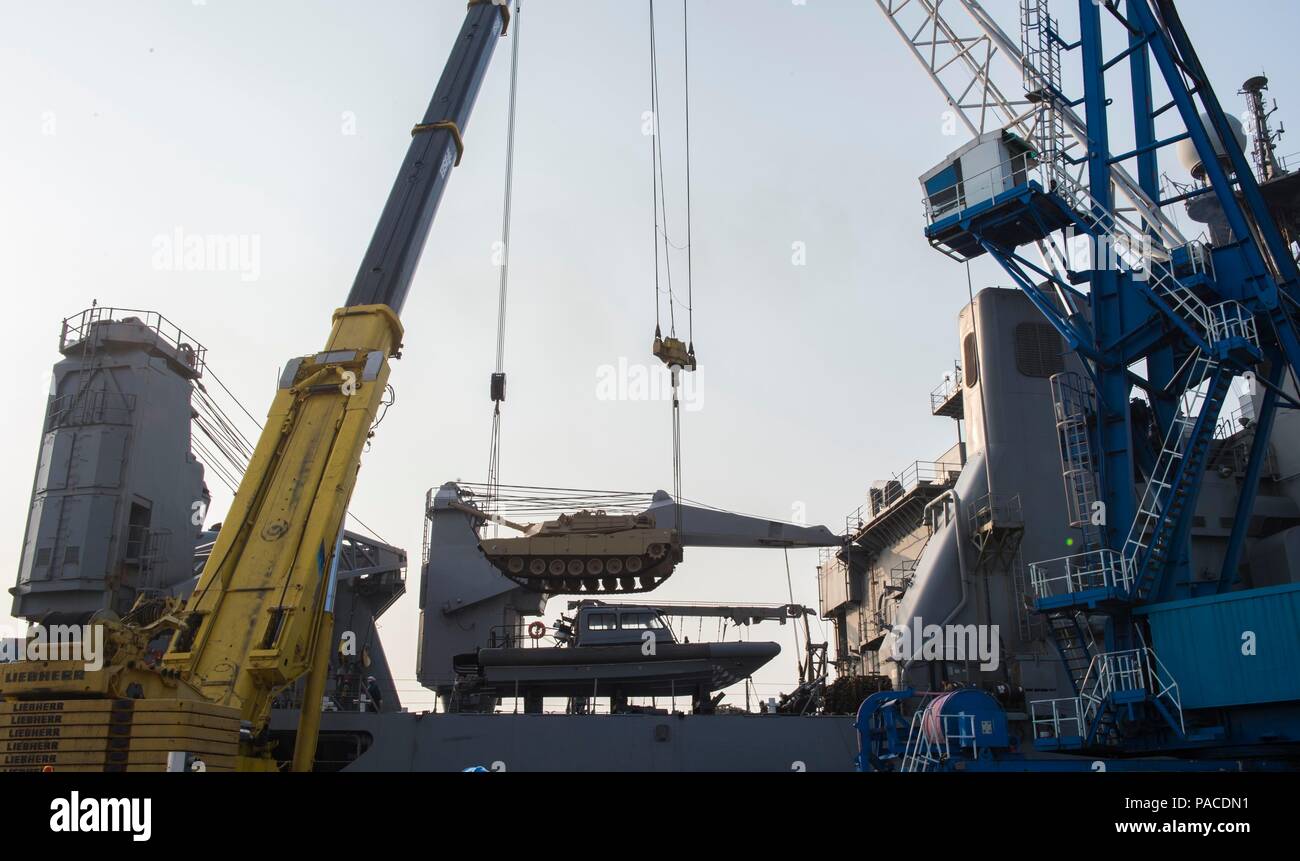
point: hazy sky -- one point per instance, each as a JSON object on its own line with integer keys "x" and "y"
{"x": 284, "y": 123}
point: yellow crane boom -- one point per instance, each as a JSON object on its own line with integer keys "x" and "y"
{"x": 261, "y": 616}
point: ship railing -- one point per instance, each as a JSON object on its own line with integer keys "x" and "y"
{"x": 1057, "y": 718}
{"x": 1230, "y": 319}
{"x": 520, "y": 636}
{"x": 1103, "y": 568}
{"x": 1200, "y": 260}
{"x": 994, "y": 510}
{"x": 901, "y": 577}
{"x": 188, "y": 350}
{"x": 1161, "y": 683}
{"x": 893, "y": 490}
{"x": 1109, "y": 674}
{"x": 950, "y": 386}
{"x": 1236, "y": 421}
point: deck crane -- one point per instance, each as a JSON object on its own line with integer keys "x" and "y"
{"x": 1194, "y": 315}
{"x": 260, "y": 617}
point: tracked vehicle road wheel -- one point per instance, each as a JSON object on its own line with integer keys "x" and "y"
{"x": 614, "y": 565}
{"x": 537, "y": 567}
{"x": 556, "y": 567}
{"x": 632, "y": 564}
{"x": 516, "y": 565}
{"x": 575, "y": 567}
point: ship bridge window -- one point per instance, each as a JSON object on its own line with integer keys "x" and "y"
{"x": 1040, "y": 352}
{"x": 602, "y": 622}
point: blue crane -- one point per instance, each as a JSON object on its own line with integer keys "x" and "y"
{"x": 1195, "y": 315}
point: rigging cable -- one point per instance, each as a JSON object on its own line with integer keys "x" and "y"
{"x": 672, "y": 352}
{"x": 789, "y": 585}
{"x": 690, "y": 292}
{"x": 690, "y": 318}
{"x": 660, "y": 194}
{"x": 498, "y": 382}
{"x": 654, "y": 161}
{"x": 211, "y": 373}
{"x": 231, "y": 430}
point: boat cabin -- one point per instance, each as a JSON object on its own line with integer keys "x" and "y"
{"x": 607, "y": 625}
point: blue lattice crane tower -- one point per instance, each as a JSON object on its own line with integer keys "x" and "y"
{"x": 1195, "y": 316}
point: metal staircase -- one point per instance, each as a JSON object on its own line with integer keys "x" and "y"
{"x": 1115, "y": 684}
{"x": 1074, "y": 641}
{"x": 1123, "y": 244}
{"x": 1177, "y": 471}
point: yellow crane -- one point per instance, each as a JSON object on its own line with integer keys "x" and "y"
{"x": 261, "y": 615}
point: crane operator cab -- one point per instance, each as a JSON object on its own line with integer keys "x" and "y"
{"x": 609, "y": 625}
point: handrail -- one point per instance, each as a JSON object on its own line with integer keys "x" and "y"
{"x": 1110, "y": 673}
{"x": 1094, "y": 569}
{"x": 995, "y": 509}
{"x": 923, "y": 751}
{"x": 947, "y": 389}
{"x": 1017, "y": 170}
{"x": 914, "y": 475}
{"x": 79, "y": 326}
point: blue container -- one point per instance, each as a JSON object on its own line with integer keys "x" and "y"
{"x": 1239, "y": 648}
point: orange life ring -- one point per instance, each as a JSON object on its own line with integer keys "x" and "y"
{"x": 537, "y": 630}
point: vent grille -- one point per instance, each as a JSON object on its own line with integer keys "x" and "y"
{"x": 1039, "y": 350}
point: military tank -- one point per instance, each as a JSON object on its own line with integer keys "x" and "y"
{"x": 589, "y": 552}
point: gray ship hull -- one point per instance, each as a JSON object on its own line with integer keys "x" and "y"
{"x": 408, "y": 741}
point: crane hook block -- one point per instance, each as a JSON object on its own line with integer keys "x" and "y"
{"x": 498, "y": 387}
{"x": 674, "y": 353}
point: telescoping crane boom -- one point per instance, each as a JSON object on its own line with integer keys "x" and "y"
{"x": 261, "y": 615}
